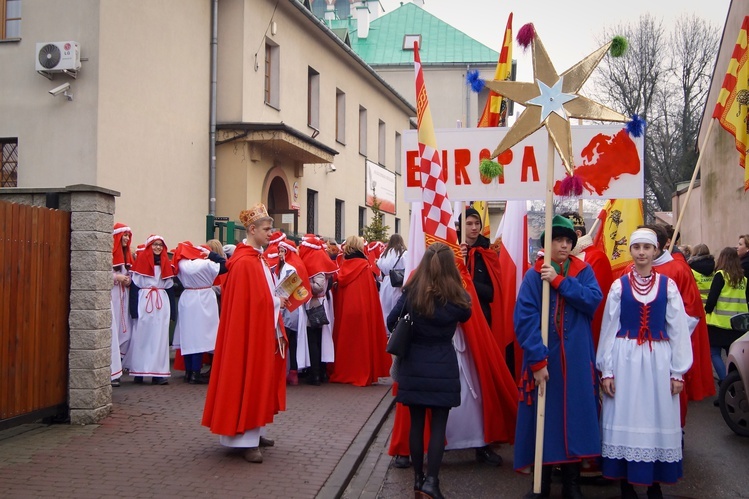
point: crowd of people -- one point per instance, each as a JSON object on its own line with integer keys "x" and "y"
{"x": 622, "y": 355}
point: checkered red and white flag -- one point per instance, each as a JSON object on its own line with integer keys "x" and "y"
{"x": 436, "y": 210}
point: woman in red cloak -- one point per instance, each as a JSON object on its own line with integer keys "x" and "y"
{"x": 359, "y": 332}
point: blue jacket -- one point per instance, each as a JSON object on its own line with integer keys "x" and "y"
{"x": 571, "y": 424}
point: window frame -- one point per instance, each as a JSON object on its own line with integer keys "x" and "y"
{"x": 340, "y": 116}
{"x": 313, "y": 98}
{"x": 4, "y": 20}
{"x": 363, "y": 131}
{"x": 271, "y": 83}
{"x": 12, "y": 176}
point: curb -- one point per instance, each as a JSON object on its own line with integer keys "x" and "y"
{"x": 339, "y": 479}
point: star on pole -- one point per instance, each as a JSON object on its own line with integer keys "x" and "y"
{"x": 552, "y": 100}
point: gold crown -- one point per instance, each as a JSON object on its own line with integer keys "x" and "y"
{"x": 255, "y": 213}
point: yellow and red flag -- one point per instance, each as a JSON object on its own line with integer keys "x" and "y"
{"x": 732, "y": 107}
{"x": 618, "y": 219}
{"x": 436, "y": 210}
{"x": 495, "y": 110}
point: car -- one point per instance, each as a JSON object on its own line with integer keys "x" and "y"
{"x": 733, "y": 401}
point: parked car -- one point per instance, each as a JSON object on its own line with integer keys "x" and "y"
{"x": 734, "y": 404}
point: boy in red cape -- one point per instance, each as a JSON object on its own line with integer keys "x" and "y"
{"x": 248, "y": 380}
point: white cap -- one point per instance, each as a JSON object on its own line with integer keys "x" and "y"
{"x": 646, "y": 236}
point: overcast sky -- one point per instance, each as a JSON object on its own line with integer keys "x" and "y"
{"x": 569, "y": 28}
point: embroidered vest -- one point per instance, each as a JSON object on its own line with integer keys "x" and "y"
{"x": 643, "y": 321}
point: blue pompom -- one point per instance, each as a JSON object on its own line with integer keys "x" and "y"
{"x": 636, "y": 126}
{"x": 473, "y": 79}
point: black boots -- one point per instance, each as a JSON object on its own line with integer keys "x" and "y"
{"x": 545, "y": 484}
{"x": 418, "y": 482}
{"x": 430, "y": 489}
{"x": 195, "y": 378}
{"x": 487, "y": 455}
{"x": 571, "y": 481}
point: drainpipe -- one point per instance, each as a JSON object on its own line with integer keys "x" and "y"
{"x": 212, "y": 138}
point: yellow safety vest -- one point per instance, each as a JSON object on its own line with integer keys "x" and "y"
{"x": 731, "y": 301}
{"x": 703, "y": 284}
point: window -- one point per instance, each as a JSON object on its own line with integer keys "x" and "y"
{"x": 272, "y": 63}
{"x": 398, "y": 153}
{"x": 9, "y": 162}
{"x": 362, "y": 219}
{"x": 313, "y": 98}
{"x": 362, "y": 131}
{"x": 339, "y": 220}
{"x": 410, "y": 40}
{"x": 340, "y": 116}
{"x": 10, "y": 19}
{"x": 381, "y": 143}
{"x": 311, "y": 211}
{"x": 397, "y": 225}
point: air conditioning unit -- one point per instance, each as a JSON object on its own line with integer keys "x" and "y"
{"x": 58, "y": 57}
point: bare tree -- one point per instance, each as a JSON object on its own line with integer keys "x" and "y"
{"x": 664, "y": 78}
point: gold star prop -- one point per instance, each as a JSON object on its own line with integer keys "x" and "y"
{"x": 552, "y": 100}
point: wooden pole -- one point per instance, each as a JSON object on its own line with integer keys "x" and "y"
{"x": 545, "y": 299}
{"x": 691, "y": 185}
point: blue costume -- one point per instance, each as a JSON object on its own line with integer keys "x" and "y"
{"x": 571, "y": 423}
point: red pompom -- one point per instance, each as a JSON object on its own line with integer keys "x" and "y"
{"x": 526, "y": 34}
{"x": 572, "y": 185}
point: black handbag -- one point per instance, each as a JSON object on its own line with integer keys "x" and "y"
{"x": 400, "y": 337}
{"x": 316, "y": 317}
{"x": 396, "y": 275}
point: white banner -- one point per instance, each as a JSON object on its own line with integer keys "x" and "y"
{"x": 608, "y": 160}
{"x": 381, "y": 183}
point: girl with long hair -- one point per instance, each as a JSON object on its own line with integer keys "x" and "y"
{"x": 428, "y": 376}
{"x": 727, "y": 297}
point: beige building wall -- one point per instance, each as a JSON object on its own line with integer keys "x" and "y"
{"x": 724, "y": 204}
{"x": 450, "y": 99}
{"x": 153, "y": 116}
{"x": 245, "y": 170}
{"x": 138, "y": 121}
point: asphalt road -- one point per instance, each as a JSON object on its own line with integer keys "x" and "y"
{"x": 716, "y": 466}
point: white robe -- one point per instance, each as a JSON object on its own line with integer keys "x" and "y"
{"x": 121, "y": 322}
{"x": 642, "y": 421}
{"x": 465, "y": 423}
{"x": 388, "y": 294}
{"x": 148, "y": 354}
{"x": 197, "y": 318}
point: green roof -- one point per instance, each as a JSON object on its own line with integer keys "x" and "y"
{"x": 440, "y": 42}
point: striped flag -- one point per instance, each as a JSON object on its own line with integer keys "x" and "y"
{"x": 618, "y": 219}
{"x": 733, "y": 99}
{"x": 436, "y": 211}
{"x": 495, "y": 110}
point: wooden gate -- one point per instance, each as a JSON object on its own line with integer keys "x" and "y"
{"x": 34, "y": 306}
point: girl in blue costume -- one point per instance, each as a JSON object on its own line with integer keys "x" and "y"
{"x": 566, "y": 365}
{"x": 644, "y": 351}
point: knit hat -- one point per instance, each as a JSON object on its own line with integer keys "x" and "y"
{"x": 561, "y": 227}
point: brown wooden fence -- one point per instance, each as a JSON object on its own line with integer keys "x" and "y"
{"x": 34, "y": 305}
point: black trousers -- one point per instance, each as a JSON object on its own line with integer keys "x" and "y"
{"x": 314, "y": 342}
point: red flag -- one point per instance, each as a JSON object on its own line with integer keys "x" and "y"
{"x": 733, "y": 99}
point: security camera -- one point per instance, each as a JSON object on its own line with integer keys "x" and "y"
{"x": 60, "y": 90}
{"x": 332, "y": 168}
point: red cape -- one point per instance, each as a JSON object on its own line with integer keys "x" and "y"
{"x": 599, "y": 262}
{"x": 359, "y": 333}
{"x": 699, "y": 382}
{"x": 248, "y": 377}
{"x": 501, "y": 329}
